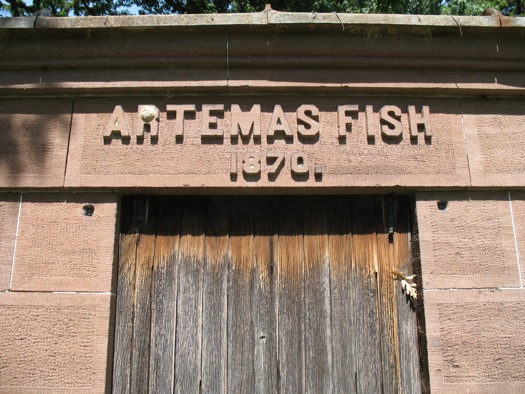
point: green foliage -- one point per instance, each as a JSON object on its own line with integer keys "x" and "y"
{"x": 102, "y": 7}
{"x": 64, "y": 7}
{"x": 352, "y": 6}
{"x": 182, "y": 6}
{"x": 476, "y": 7}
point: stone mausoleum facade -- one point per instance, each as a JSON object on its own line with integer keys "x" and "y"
{"x": 94, "y": 110}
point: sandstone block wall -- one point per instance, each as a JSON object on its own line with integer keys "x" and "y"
{"x": 34, "y": 135}
{"x": 57, "y": 257}
{"x": 472, "y": 248}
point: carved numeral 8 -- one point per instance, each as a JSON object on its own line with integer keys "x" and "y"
{"x": 251, "y": 163}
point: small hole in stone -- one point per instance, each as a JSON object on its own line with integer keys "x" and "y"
{"x": 442, "y": 205}
{"x": 88, "y": 210}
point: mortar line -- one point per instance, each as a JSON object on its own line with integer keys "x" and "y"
{"x": 16, "y": 240}
{"x": 445, "y": 289}
{"x": 68, "y": 141}
{"x": 81, "y": 292}
{"x": 227, "y": 57}
{"x": 515, "y": 239}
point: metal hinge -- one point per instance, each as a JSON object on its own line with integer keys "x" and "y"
{"x": 140, "y": 212}
{"x": 389, "y": 216}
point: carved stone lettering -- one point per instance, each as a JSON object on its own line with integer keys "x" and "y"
{"x": 233, "y": 163}
{"x": 180, "y": 111}
{"x": 117, "y": 124}
{"x": 419, "y": 121}
{"x": 251, "y": 163}
{"x": 278, "y": 162}
{"x": 308, "y": 121}
{"x": 299, "y": 163}
{"x": 345, "y": 117}
{"x": 246, "y": 123}
{"x": 268, "y": 124}
{"x": 391, "y": 116}
{"x": 210, "y": 123}
{"x": 370, "y": 128}
{"x": 279, "y": 124}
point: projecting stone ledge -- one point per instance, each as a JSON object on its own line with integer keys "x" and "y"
{"x": 271, "y": 17}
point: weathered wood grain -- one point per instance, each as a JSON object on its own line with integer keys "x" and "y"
{"x": 241, "y": 373}
{"x": 280, "y": 294}
{"x": 124, "y": 304}
{"x": 364, "y": 256}
{"x": 214, "y": 301}
{"x": 318, "y": 333}
{"x": 386, "y": 260}
{"x": 342, "y": 300}
{"x": 164, "y": 296}
{"x": 189, "y": 298}
{"x": 290, "y": 298}
{"x": 142, "y": 317}
{"x": 406, "y": 315}
{"x": 264, "y": 300}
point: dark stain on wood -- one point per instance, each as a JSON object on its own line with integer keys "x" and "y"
{"x": 265, "y": 294}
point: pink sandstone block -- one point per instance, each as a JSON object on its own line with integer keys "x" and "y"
{"x": 8, "y": 218}
{"x": 33, "y": 141}
{"x": 206, "y": 152}
{"x": 470, "y": 243}
{"x": 518, "y": 207}
{"x": 495, "y": 133}
{"x": 55, "y": 343}
{"x": 475, "y": 341}
{"x": 62, "y": 248}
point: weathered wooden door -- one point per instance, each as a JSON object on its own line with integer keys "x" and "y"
{"x": 265, "y": 294}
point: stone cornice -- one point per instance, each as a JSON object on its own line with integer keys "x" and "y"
{"x": 264, "y": 18}
{"x": 265, "y": 52}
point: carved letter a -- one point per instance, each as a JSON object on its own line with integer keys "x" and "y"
{"x": 117, "y": 124}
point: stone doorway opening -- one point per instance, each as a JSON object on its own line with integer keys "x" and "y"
{"x": 265, "y": 294}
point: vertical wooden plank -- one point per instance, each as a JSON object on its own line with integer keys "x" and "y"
{"x": 264, "y": 304}
{"x": 142, "y": 319}
{"x": 241, "y": 377}
{"x": 189, "y": 298}
{"x": 342, "y": 301}
{"x": 125, "y": 305}
{"x": 290, "y": 297}
{"x": 215, "y": 287}
{"x": 406, "y": 315}
{"x": 318, "y": 333}
{"x": 364, "y": 264}
{"x": 387, "y": 297}
{"x": 164, "y": 296}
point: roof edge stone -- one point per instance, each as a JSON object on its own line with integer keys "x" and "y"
{"x": 261, "y": 18}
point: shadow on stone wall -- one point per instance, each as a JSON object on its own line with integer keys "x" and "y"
{"x": 34, "y": 137}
